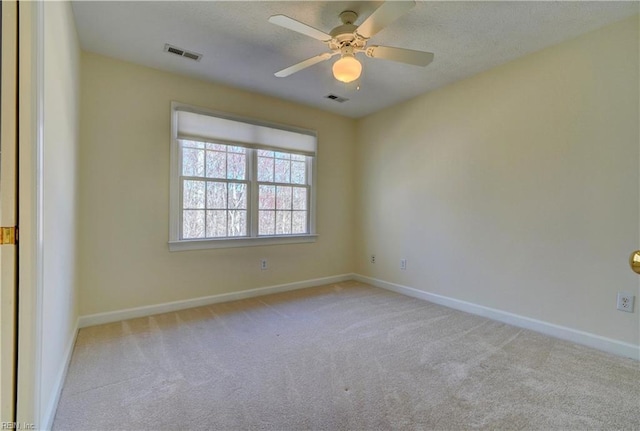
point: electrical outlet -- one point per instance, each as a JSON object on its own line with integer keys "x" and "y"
{"x": 263, "y": 264}
{"x": 373, "y": 258}
{"x": 625, "y": 301}
{"x": 403, "y": 264}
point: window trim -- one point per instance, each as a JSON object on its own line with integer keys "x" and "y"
{"x": 175, "y": 193}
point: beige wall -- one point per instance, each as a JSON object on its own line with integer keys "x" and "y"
{"x": 60, "y": 178}
{"x": 124, "y": 193}
{"x": 517, "y": 189}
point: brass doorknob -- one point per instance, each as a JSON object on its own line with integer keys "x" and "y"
{"x": 634, "y": 261}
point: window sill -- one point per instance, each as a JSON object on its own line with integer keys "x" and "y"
{"x": 203, "y": 244}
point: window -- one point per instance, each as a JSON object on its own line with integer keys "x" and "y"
{"x": 214, "y": 190}
{"x": 239, "y": 182}
{"x": 282, "y": 193}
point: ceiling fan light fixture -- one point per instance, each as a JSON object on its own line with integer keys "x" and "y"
{"x": 347, "y": 69}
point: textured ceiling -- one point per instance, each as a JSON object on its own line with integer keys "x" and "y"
{"x": 241, "y": 49}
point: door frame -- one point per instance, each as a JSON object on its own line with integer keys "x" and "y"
{"x": 30, "y": 210}
{"x": 8, "y": 210}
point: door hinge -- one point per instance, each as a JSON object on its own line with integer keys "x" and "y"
{"x": 8, "y": 235}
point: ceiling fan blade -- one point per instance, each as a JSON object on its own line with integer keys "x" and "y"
{"x": 383, "y": 16}
{"x": 297, "y": 26}
{"x": 402, "y": 55}
{"x": 303, "y": 65}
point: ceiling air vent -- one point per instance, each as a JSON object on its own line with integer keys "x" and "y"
{"x": 336, "y": 98}
{"x": 181, "y": 52}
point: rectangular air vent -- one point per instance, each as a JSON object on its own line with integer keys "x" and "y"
{"x": 181, "y": 52}
{"x": 335, "y": 98}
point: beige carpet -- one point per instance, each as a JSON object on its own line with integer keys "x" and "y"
{"x": 339, "y": 357}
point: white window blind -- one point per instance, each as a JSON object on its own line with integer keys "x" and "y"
{"x": 218, "y": 128}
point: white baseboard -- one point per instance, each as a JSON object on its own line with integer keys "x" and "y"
{"x": 49, "y": 413}
{"x": 609, "y": 345}
{"x": 131, "y": 313}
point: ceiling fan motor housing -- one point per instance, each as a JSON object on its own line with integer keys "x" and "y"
{"x": 345, "y": 34}
{"x": 347, "y": 50}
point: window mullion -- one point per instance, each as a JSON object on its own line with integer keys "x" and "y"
{"x": 253, "y": 190}
{"x": 291, "y": 202}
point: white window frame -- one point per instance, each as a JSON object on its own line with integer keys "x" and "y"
{"x": 175, "y": 190}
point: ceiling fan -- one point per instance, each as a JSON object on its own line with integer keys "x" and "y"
{"x": 349, "y": 39}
